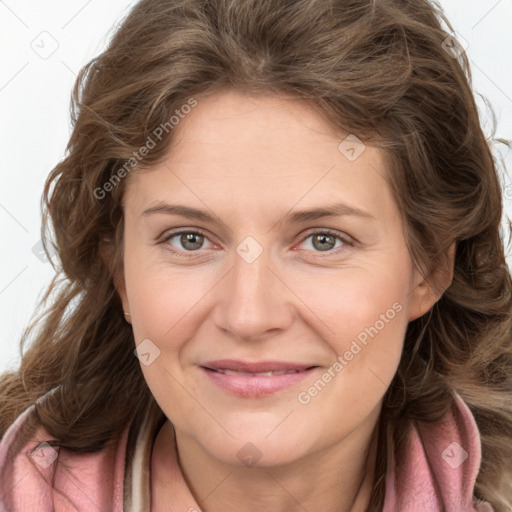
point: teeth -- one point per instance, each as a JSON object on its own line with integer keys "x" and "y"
{"x": 260, "y": 374}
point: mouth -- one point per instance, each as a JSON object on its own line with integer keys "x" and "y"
{"x": 255, "y": 374}
{"x": 256, "y": 379}
{"x": 256, "y": 367}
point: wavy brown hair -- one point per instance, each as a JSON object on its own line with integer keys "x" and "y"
{"x": 378, "y": 69}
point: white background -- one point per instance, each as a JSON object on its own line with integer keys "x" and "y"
{"x": 35, "y": 89}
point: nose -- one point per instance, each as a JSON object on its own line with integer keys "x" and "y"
{"x": 255, "y": 301}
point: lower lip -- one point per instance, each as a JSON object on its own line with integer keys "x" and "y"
{"x": 256, "y": 386}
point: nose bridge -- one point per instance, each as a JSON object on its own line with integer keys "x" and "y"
{"x": 254, "y": 300}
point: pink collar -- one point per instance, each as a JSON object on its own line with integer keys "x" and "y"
{"x": 439, "y": 466}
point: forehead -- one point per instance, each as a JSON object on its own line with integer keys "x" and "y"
{"x": 262, "y": 151}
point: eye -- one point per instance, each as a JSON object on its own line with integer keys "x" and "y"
{"x": 190, "y": 241}
{"x": 325, "y": 241}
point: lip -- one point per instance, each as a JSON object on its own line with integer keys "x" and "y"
{"x": 255, "y": 366}
{"x": 255, "y": 386}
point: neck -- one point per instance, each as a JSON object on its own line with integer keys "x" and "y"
{"x": 338, "y": 478}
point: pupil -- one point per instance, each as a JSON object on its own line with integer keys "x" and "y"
{"x": 322, "y": 239}
{"x": 191, "y": 238}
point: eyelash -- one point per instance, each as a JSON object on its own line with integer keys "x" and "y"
{"x": 179, "y": 253}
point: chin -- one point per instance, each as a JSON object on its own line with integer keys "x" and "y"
{"x": 256, "y": 450}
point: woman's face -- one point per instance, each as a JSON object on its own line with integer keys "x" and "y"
{"x": 255, "y": 285}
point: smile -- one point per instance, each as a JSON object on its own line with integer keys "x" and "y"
{"x": 255, "y": 379}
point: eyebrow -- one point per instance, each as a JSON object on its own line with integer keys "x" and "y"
{"x": 296, "y": 217}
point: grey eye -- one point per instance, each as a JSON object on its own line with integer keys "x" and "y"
{"x": 323, "y": 242}
{"x": 191, "y": 241}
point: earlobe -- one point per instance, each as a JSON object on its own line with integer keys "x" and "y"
{"x": 429, "y": 290}
{"x": 422, "y": 300}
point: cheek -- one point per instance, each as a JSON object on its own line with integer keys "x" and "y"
{"x": 165, "y": 305}
{"x": 162, "y": 307}
{"x": 160, "y": 297}
{"x": 356, "y": 300}
{"x": 367, "y": 320}
{"x": 362, "y": 316}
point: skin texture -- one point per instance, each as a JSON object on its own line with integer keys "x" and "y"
{"x": 249, "y": 161}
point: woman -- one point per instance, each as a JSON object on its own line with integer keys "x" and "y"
{"x": 283, "y": 284}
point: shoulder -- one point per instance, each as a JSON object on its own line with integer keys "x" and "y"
{"x": 37, "y": 476}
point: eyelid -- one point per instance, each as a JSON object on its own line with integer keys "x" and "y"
{"x": 344, "y": 237}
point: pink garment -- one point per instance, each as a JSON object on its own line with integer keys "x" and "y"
{"x": 436, "y": 472}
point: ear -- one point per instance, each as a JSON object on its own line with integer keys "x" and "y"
{"x": 107, "y": 251}
{"x": 428, "y": 291}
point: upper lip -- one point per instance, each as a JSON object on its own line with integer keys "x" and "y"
{"x": 255, "y": 366}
